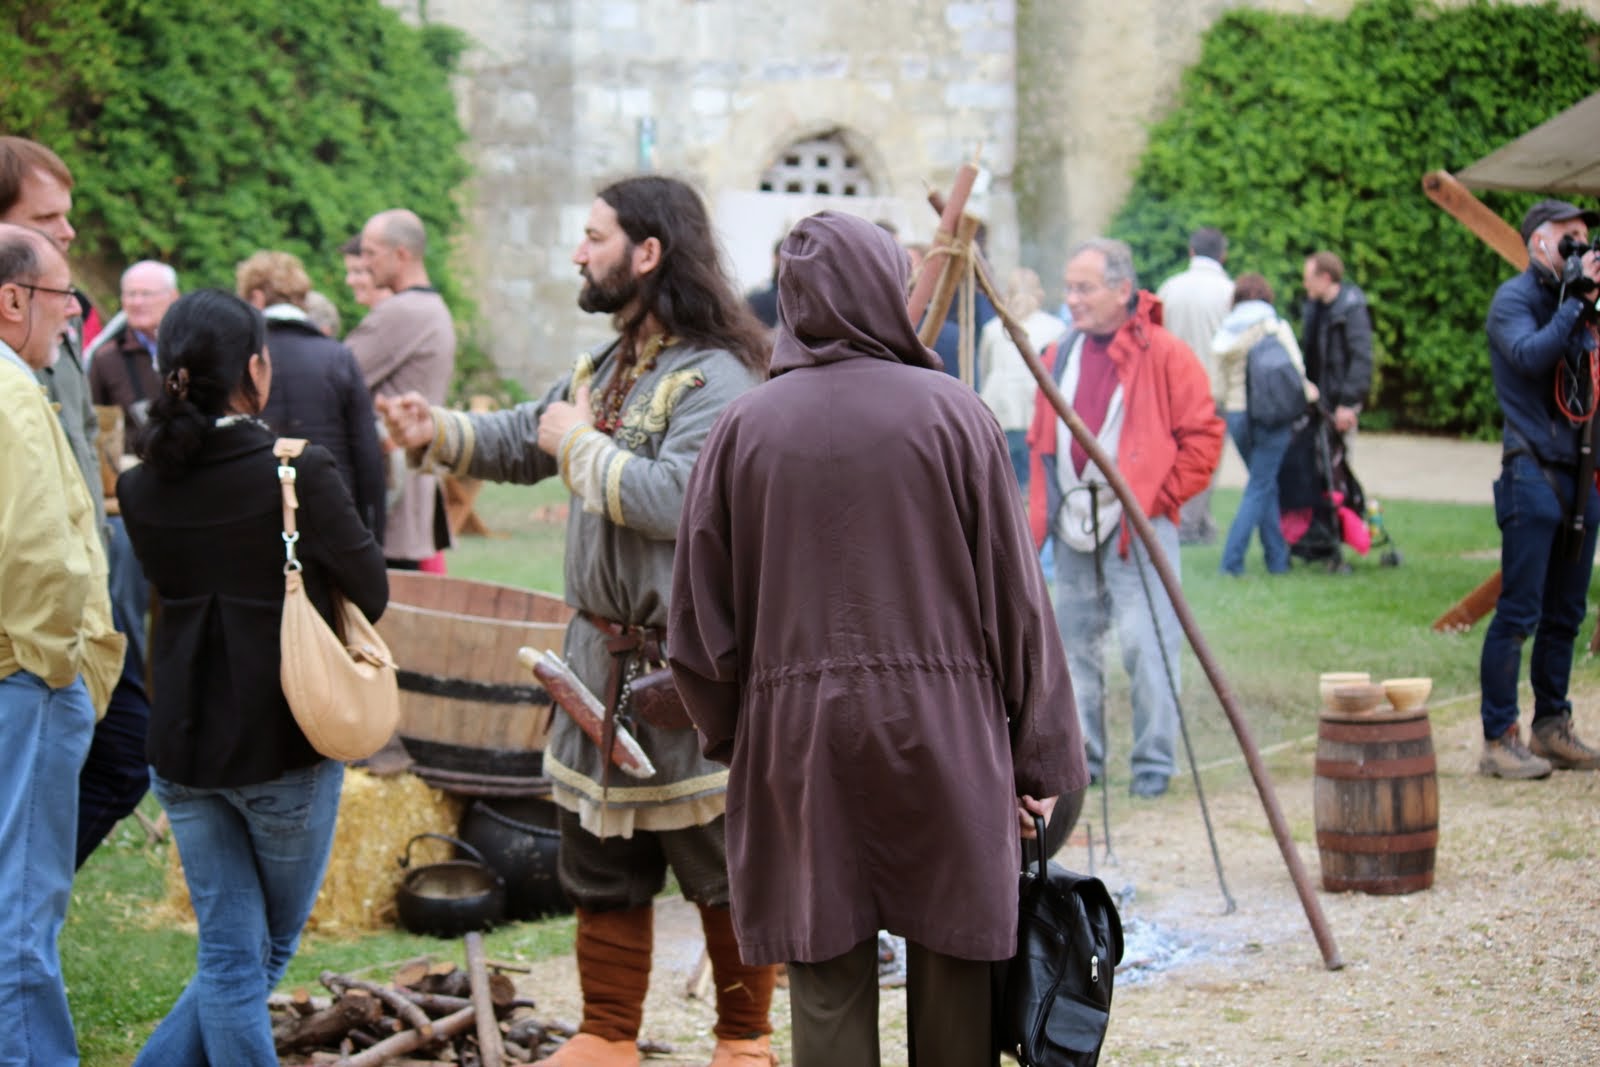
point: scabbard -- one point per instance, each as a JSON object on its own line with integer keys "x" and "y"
{"x": 585, "y": 709}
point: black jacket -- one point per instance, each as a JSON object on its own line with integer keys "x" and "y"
{"x": 1338, "y": 347}
{"x": 317, "y": 393}
{"x": 211, "y": 543}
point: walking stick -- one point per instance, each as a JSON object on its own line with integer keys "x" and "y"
{"x": 1141, "y": 525}
{"x": 1100, "y": 667}
{"x": 1183, "y": 727}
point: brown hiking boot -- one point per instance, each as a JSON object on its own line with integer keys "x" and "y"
{"x": 587, "y": 1050}
{"x": 744, "y": 1052}
{"x": 1507, "y": 757}
{"x": 1554, "y": 740}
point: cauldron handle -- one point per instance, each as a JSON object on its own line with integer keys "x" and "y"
{"x": 405, "y": 861}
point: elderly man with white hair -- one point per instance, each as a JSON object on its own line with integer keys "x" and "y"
{"x": 122, "y": 368}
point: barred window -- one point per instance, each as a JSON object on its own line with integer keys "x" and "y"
{"x": 823, "y": 166}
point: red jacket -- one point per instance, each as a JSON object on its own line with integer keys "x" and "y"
{"x": 1171, "y": 435}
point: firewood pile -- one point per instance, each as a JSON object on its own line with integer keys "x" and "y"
{"x": 430, "y": 1012}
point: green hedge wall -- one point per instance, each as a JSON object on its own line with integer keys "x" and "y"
{"x": 199, "y": 133}
{"x": 1293, "y": 133}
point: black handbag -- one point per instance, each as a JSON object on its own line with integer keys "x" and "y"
{"x": 1053, "y": 998}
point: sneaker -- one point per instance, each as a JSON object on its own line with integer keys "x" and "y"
{"x": 1507, "y": 757}
{"x": 1553, "y": 739}
{"x": 1148, "y": 784}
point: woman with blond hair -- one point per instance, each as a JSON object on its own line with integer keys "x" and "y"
{"x": 318, "y": 392}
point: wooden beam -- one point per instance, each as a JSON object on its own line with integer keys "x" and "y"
{"x": 1443, "y": 189}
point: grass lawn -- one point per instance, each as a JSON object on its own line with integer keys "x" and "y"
{"x": 1271, "y": 637}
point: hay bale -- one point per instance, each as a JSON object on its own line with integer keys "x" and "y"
{"x": 377, "y": 816}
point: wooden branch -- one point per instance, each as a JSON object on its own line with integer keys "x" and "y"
{"x": 490, "y": 1050}
{"x": 949, "y": 215}
{"x": 385, "y": 1051}
{"x": 329, "y": 1026}
{"x": 1442, "y": 188}
{"x": 300, "y": 1002}
{"x": 512, "y": 968}
{"x": 408, "y": 1011}
{"x": 952, "y": 270}
{"x": 502, "y": 991}
{"x": 1470, "y": 608}
{"x": 411, "y": 974}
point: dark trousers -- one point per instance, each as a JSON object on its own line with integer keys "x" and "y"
{"x": 833, "y": 1007}
{"x": 1542, "y": 593}
{"x": 606, "y": 874}
{"x": 116, "y": 775}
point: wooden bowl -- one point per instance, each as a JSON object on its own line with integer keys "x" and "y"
{"x": 1356, "y": 699}
{"x": 1327, "y": 683}
{"x": 1407, "y": 694}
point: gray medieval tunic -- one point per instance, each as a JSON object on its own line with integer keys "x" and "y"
{"x": 860, "y": 628}
{"x": 618, "y": 563}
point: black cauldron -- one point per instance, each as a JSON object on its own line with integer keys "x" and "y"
{"x": 519, "y": 839}
{"x": 449, "y": 899}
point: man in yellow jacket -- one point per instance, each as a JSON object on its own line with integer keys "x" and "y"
{"x": 59, "y": 655}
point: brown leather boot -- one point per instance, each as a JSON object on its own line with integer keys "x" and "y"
{"x": 755, "y": 1052}
{"x": 613, "y": 952}
{"x": 586, "y": 1050}
{"x": 744, "y": 996}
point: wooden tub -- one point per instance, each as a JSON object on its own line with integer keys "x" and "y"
{"x": 471, "y": 717}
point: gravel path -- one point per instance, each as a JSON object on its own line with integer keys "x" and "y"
{"x": 1495, "y": 964}
{"x": 1404, "y": 467}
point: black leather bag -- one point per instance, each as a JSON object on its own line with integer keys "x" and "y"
{"x": 1053, "y": 998}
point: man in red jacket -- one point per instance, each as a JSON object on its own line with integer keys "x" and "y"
{"x": 1147, "y": 399}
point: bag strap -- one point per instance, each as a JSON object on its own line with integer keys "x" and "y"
{"x": 1038, "y": 842}
{"x": 286, "y": 449}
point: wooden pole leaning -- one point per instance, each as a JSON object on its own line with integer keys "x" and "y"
{"x": 1169, "y": 580}
{"x": 1443, "y": 189}
{"x": 952, "y": 254}
{"x": 949, "y": 215}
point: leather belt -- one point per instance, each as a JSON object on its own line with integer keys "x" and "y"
{"x": 628, "y": 645}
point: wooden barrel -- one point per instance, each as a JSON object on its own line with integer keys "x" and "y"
{"x": 1377, "y": 802}
{"x": 469, "y": 712}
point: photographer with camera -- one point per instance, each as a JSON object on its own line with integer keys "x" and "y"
{"x": 1542, "y": 352}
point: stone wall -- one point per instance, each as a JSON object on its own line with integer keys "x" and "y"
{"x": 559, "y": 95}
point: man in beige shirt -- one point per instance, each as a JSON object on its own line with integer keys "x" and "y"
{"x": 406, "y": 344}
{"x": 59, "y": 655}
{"x": 1194, "y": 302}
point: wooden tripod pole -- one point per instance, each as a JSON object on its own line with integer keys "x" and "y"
{"x": 1169, "y": 580}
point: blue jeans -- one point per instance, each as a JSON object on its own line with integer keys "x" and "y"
{"x": 254, "y": 858}
{"x": 1541, "y": 593}
{"x": 1017, "y": 447}
{"x": 1262, "y": 448}
{"x": 1086, "y": 618}
{"x": 44, "y": 736}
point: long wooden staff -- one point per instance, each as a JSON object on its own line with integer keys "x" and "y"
{"x": 1169, "y": 579}
{"x": 1443, "y": 189}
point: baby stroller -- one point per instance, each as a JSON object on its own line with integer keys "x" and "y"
{"x": 1321, "y": 504}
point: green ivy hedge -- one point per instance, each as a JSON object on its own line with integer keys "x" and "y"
{"x": 1293, "y": 133}
{"x": 199, "y": 133}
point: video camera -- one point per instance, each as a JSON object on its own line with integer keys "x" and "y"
{"x": 1572, "y": 252}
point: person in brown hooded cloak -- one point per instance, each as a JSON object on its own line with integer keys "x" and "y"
{"x": 860, "y": 629}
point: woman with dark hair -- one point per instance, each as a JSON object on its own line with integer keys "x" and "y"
{"x": 252, "y": 804}
{"x": 1261, "y": 446}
